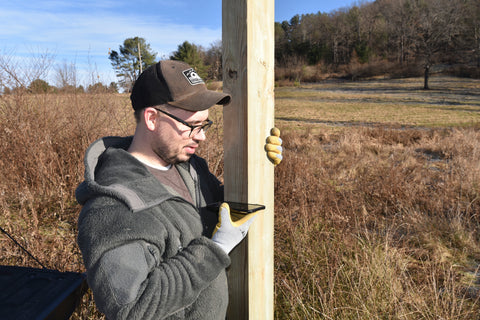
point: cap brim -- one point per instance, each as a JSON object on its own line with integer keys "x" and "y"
{"x": 202, "y": 100}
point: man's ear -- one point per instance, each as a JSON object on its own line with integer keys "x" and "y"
{"x": 150, "y": 117}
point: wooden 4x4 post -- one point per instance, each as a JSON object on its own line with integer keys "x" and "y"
{"x": 248, "y": 75}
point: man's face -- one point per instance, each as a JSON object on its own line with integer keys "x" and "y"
{"x": 173, "y": 143}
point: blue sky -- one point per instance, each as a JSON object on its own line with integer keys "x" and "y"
{"x": 81, "y": 32}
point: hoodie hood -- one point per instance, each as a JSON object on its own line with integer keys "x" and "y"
{"x": 111, "y": 171}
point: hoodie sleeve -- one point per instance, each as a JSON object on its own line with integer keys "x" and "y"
{"x": 131, "y": 272}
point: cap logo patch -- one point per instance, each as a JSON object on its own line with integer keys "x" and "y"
{"x": 192, "y": 77}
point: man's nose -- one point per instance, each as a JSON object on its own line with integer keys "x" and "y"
{"x": 200, "y": 135}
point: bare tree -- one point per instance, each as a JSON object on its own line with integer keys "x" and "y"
{"x": 472, "y": 29}
{"x": 19, "y": 72}
{"x": 399, "y": 28}
{"x": 340, "y": 35}
{"x": 66, "y": 76}
{"x": 437, "y": 26}
{"x": 213, "y": 60}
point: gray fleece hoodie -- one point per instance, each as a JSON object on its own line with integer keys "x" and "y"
{"x": 147, "y": 251}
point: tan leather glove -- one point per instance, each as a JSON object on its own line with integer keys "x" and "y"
{"x": 273, "y": 147}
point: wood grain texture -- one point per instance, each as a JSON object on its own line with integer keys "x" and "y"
{"x": 248, "y": 64}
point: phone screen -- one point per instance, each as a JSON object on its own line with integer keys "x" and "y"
{"x": 239, "y": 207}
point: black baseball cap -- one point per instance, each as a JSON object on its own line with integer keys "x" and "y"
{"x": 176, "y": 83}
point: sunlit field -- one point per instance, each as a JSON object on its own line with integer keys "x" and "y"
{"x": 450, "y": 102}
{"x": 377, "y": 199}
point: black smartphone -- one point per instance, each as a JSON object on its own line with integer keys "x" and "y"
{"x": 239, "y": 207}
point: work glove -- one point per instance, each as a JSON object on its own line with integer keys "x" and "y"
{"x": 231, "y": 229}
{"x": 273, "y": 147}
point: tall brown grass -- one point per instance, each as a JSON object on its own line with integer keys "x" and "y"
{"x": 371, "y": 223}
{"x": 43, "y": 139}
{"x": 381, "y": 224}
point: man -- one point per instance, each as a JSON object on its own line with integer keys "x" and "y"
{"x": 145, "y": 232}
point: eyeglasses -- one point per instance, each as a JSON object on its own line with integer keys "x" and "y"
{"x": 194, "y": 130}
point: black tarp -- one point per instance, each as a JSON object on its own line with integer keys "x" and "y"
{"x": 39, "y": 294}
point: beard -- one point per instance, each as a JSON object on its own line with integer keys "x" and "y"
{"x": 171, "y": 156}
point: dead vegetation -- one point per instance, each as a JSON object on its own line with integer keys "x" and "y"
{"x": 382, "y": 224}
{"x": 371, "y": 222}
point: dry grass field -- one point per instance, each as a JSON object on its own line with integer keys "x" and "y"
{"x": 377, "y": 200}
{"x": 450, "y": 102}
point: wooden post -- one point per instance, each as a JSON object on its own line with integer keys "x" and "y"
{"x": 248, "y": 75}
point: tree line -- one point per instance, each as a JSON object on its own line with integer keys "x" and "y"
{"x": 396, "y": 37}
{"x": 404, "y": 33}
{"x": 399, "y": 37}
{"x": 135, "y": 55}
{"x": 27, "y": 75}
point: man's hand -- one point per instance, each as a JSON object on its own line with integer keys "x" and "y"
{"x": 273, "y": 147}
{"x": 228, "y": 233}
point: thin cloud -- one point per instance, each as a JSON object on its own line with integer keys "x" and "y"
{"x": 83, "y": 32}
{"x": 77, "y": 32}
{"x": 92, "y": 27}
